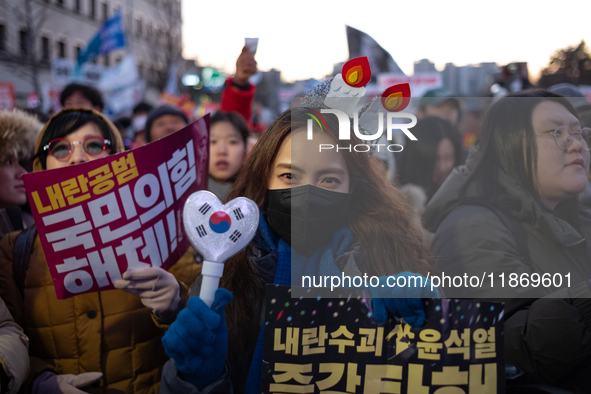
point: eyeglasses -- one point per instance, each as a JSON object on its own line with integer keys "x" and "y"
{"x": 61, "y": 148}
{"x": 564, "y": 137}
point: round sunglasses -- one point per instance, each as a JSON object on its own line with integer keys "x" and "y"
{"x": 61, "y": 148}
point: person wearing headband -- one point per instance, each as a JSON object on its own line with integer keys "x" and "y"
{"x": 330, "y": 212}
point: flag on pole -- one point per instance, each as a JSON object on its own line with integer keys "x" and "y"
{"x": 109, "y": 37}
{"x": 172, "y": 86}
{"x": 361, "y": 44}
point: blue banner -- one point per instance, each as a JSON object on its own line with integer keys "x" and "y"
{"x": 109, "y": 37}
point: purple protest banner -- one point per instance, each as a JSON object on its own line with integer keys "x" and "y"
{"x": 123, "y": 212}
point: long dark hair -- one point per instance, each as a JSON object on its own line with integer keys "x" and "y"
{"x": 91, "y": 94}
{"x": 235, "y": 119}
{"x": 419, "y": 157}
{"x": 507, "y": 136}
{"x": 380, "y": 217}
{"x": 69, "y": 121}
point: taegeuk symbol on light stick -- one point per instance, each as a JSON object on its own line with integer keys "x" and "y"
{"x": 218, "y": 232}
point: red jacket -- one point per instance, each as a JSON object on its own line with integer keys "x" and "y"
{"x": 236, "y": 100}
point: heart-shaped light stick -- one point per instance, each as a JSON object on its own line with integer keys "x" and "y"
{"x": 218, "y": 232}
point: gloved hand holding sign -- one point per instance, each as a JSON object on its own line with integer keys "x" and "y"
{"x": 51, "y": 383}
{"x": 401, "y": 301}
{"x": 158, "y": 289}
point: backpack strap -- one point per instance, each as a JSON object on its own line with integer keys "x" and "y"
{"x": 512, "y": 224}
{"x": 21, "y": 256}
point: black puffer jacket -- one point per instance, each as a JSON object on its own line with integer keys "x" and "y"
{"x": 547, "y": 330}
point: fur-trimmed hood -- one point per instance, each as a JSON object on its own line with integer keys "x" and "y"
{"x": 417, "y": 198}
{"x": 18, "y": 133}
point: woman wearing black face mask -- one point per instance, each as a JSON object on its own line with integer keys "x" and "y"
{"x": 323, "y": 213}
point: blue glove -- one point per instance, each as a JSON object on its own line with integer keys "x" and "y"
{"x": 198, "y": 340}
{"x": 404, "y": 302}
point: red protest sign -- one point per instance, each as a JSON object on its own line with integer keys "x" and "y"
{"x": 123, "y": 212}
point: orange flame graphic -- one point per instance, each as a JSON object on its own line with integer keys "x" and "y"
{"x": 356, "y": 72}
{"x": 396, "y": 98}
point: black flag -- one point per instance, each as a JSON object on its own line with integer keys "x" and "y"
{"x": 361, "y": 44}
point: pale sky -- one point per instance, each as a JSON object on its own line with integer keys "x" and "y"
{"x": 305, "y": 38}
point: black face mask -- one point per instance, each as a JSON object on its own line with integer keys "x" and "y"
{"x": 306, "y": 217}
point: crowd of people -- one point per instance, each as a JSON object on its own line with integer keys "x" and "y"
{"x": 517, "y": 202}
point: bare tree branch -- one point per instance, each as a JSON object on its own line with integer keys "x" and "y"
{"x": 169, "y": 52}
{"x": 24, "y": 59}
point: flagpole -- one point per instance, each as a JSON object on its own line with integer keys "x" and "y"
{"x": 129, "y": 39}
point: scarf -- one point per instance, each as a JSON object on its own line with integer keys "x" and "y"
{"x": 322, "y": 262}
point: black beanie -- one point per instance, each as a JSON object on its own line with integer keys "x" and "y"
{"x": 161, "y": 111}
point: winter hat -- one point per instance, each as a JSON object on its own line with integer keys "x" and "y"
{"x": 436, "y": 97}
{"x": 18, "y": 133}
{"x": 161, "y": 111}
{"x": 573, "y": 95}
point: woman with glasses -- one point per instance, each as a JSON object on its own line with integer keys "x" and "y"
{"x": 511, "y": 216}
{"x": 108, "y": 341}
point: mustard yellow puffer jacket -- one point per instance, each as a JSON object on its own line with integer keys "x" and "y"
{"x": 108, "y": 331}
